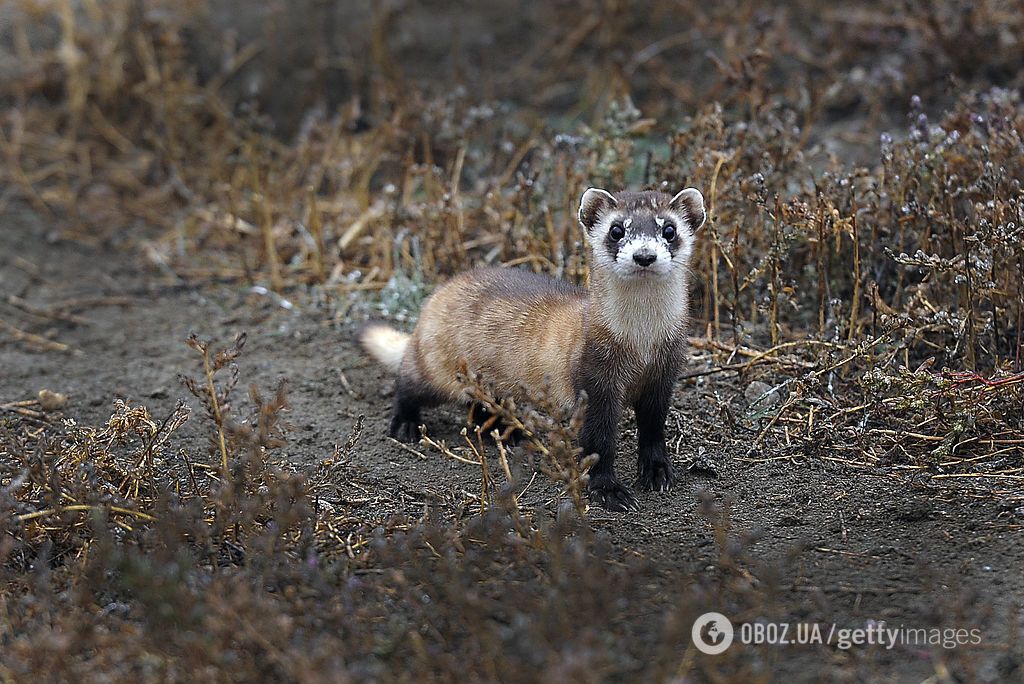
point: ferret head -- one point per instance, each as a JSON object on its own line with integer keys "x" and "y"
{"x": 641, "y": 235}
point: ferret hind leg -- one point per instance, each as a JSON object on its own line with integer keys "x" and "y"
{"x": 411, "y": 395}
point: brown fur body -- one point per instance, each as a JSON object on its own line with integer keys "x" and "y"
{"x": 513, "y": 327}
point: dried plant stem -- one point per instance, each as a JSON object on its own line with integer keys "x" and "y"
{"x": 715, "y": 246}
{"x": 218, "y": 418}
{"x": 1001, "y": 476}
{"x": 316, "y": 227}
{"x": 405, "y": 447}
{"x": 485, "y": 472}
{"x": 502, "y": 455}
{"x": 83, "y": 507}
{"x": 12, "y": 152}
{"x": 446, "y": 450}
{"x": 1017, "y": 366}
{"x": 20, "y": 407}
{"x": 855, "y": 301}
{"x": 35, "y": 340}
{"x": 39, "y": 312}
{"x": 822, "y": 290}
{"x": 774, "y": 286}
{"x": 266, "y": 226}
{"x": 271, "y": 249}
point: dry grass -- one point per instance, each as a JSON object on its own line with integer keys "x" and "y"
{"x": 866, "y": 267}
{"x": 190, "y": 569}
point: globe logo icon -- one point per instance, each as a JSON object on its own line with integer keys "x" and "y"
{"x": 712, "y": 633}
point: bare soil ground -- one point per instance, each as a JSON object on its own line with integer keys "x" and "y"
{"x": 834, "y": 544}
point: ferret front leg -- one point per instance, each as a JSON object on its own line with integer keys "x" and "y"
{"x": 654, "y": 466}
{"x": 600, "y": 424}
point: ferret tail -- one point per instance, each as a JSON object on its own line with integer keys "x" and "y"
{"x": 385, "y": 344}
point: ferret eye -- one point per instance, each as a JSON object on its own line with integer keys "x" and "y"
{"x": 669, "y": 232}
{"x": 617, "y": 232}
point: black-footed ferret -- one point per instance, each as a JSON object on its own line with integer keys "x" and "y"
{"x": 620, "y": 340}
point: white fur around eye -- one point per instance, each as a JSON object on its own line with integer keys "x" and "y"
{"x": 625, "y": 266}
{"x": 684, "y": 236}
{"x": 682, "y": 224}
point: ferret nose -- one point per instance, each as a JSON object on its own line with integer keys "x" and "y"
{"x": 645, "y": 258}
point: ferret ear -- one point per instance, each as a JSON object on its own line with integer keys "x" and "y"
{"x": 593, "y": 204}
{"x": 691, "y": 204}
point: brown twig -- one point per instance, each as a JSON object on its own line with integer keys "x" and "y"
{"x": 36, "y": 340}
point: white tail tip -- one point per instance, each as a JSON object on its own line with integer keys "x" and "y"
{"x": 385, "y": 344}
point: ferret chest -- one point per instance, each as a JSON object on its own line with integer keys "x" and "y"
{"x": 641, "y": 323}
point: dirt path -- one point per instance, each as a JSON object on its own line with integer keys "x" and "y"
{"x": 837, "y": 545}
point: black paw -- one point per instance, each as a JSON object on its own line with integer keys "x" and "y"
{"x": 609, "y": 493}
{"x": 655, "y": 473}
{"x": 405, "y": 430}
